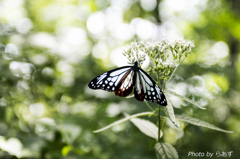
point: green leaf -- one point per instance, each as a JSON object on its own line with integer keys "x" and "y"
{"x": 152, "y": 144}
{"x": 65, "y": 150}
{"x": 8, "y": 114}
{"x": 183, "y": 98}
{"x": 170, "y": 113}
{"x": 198, "y": 122}
{"x": 165, "y": 151}
{"x": 122, "y": 120}
{"x": 146, "y": 127}
{"x": 130, "y": 96}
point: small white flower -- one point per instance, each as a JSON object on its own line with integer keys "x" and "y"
{"x": 165, "y": 55}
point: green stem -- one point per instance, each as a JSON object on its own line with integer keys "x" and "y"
{"x": 159, "y": 115}
{"x": 159, "y": 123}
{"x": 149, "y": 106}
{"x": 163, "y": 120}
{"x": 171, "y": 76}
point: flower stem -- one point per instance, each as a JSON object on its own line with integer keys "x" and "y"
{"x": 159, "y": 115}
{"x": 159, "y": 123}
{"x": 171, "y": 76}
{"x": 149, "y": 106}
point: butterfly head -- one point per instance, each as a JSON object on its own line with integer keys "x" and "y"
{"x": 138, "y": 63}
{"x": 135, "y": 63}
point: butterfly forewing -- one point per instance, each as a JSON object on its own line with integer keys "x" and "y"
{"x": 109, "y": 81}
{"x": 152, "y": 92}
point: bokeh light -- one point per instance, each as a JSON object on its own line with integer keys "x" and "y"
{"x": 50, "y": 50}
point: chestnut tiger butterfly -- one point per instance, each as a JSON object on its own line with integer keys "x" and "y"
{"x": 121, "y": 81}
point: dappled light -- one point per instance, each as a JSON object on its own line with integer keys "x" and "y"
{"x": 51, "y": 50}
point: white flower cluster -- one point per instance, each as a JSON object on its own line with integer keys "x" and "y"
{"x": 135, "y": 53}
{"x": 165, "y": 55}
{"x": 180, "y": 49}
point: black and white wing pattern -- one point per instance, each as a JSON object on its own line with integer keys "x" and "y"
{"x": 146, "y": 88}
{"x": 121, "y": 81}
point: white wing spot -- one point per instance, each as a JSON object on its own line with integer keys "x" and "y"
{"x": 148, "y": 87}
{"x": 114, "y": 79}
{"x": 101, "y": 77}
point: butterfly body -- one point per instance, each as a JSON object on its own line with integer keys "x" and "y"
{"x": 122, "y": 80}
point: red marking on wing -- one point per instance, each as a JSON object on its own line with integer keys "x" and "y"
{"x": 139, "y": 96}
{"x": 124, "y": 91}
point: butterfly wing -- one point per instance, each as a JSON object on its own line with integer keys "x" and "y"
{"x": 119, "y": 80}
{"x": 150, "y": 89}
{"x": 138, "y": 87}
{"x": 125, "y": 85}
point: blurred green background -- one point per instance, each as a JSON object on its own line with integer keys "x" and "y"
{"x": 51, "y": 49}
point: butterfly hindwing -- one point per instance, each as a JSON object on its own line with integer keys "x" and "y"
{"x": 125, "y": 84}
{"x": 138, "y": 88}
{"x": 112, "y": 80}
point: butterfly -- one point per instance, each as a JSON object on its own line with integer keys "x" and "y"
{"x": 121, "y": 80}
